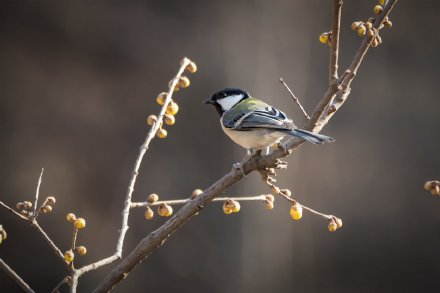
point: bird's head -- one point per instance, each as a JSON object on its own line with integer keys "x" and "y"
{"x": 226, "y": 99}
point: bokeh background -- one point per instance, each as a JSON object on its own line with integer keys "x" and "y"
{"x": 79, "y": 78}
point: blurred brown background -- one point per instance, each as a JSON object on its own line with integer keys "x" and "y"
{"x": 79, "y": 78}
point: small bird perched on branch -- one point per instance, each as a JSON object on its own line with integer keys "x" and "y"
{"x": 255, "y": 125}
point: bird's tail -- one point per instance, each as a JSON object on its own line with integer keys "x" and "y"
{"x": 311, "y": 136}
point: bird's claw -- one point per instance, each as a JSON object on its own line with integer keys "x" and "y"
{"x": 239, "y": 166}
{"x": 283, "y": 148}
{"x": 280, "y": 164}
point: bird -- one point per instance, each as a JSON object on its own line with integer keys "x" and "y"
{"x": 254, "y": 124}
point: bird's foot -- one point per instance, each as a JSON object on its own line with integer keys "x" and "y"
{"x": 239, "y": 166}
{"x": 283, "y": 148}
{"x": 280, "y": 164}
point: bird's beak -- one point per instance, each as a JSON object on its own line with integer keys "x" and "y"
{"x": 209, "y": 101}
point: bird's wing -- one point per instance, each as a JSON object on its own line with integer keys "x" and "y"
{"x": 270, "y": 117}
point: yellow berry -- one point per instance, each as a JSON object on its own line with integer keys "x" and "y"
{"x": 196, "y": 193}
{"x": 69, "y": 256}
{"x": 3, "y": 234}
{"x": 368, "y": 25}
{"x": 388, "y": 23}
{"x": 27, "y": 204}
{"x": 375, "y": 43}
{"x": 226, "y": 208}
{"x": 71, "y": 217}
{"x": 184, "y": 82}
{"x": 161, "y": 98}
{"x": 377, "y": 9}
{"x": 82, "y": 250}
{"x": 169, "y": 119}
{"x": 379, "y": 39}
{"x": 162, "y": 133}
{"x": 323, "y": 38}
{"x": 296, "y": 211}
{"x": 19, "y": 206}
{"x": 382, "y": 2}
{"x": 46, "y": 209}
{"x": 270, "y": 197}
{"x": 79, "y": 223}
{"x": 332, "y": 226}
{"x": 361, "y": 30}
{"x": 276, "y": 189}
{"x": 355, "y": 25}
{"x": 235, "y": 206}
{"x": 172, "y": 108}
{"x": 176, "y": 88}
{"x": 152, "y": 198}
{"x": 191, "y": 67}
{"x": 268, "y": 205}
{"x": 286, "y": 191}
{"x": 149, "y": 214}
{"x": 435, "y": 190}
{"x": 165, "y": 210}
{"x": 151, "y": 119}
{"x": 338, "y": 222}
{"x": 51, "y": 200}
{"x": 427, "y": 186}
{"x": 370, "y": 33}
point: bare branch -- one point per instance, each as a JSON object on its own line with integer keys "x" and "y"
{"x": 16, "y": 277}
{"x": 185, "y": 201}
{"x": 127, "y": 205}
{"x": 55, "y": 249}
{"x": 340, "y": 91}
{"x": 337, "y": 93}
{"x": 295, "y": 99}
{"x": 334, "y": 45}
{"x": 143, "y": 149}
{"x": 64, "y": 281}
{"x": 35, "y": 224}
{"x": 13, "y": 211}
{"x": 37, "y": 192}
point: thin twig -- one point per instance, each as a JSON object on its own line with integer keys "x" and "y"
{"x": 13, "y": 211}
{"x": 16, "y": 277}
{"x": 39, "y": 210}
{"x": 37, "y": 193}
{"x": 55, "y": 249}
{"x": 334, "y": 45}
{"x": 295, "y": 98}
{"x": 185, "y": 201}
{"x": 126, "y": 211}
{"x": 64, "y": 281}
{"x": 35, "y": 224}
{"x": 74, "y": 236}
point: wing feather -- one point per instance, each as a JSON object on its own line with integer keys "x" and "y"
{"x": 270, "y": 118}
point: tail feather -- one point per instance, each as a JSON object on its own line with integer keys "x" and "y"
{"x": 315, "y": 138}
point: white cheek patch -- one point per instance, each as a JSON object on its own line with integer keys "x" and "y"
{"x": 229, "y": 102}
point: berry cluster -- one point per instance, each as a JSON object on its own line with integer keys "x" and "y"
{"x": 365, "y": 28}
{"x": 78, "y": 223}
{"x": 172, "y": 107}
{"x": 25, "y": 207}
